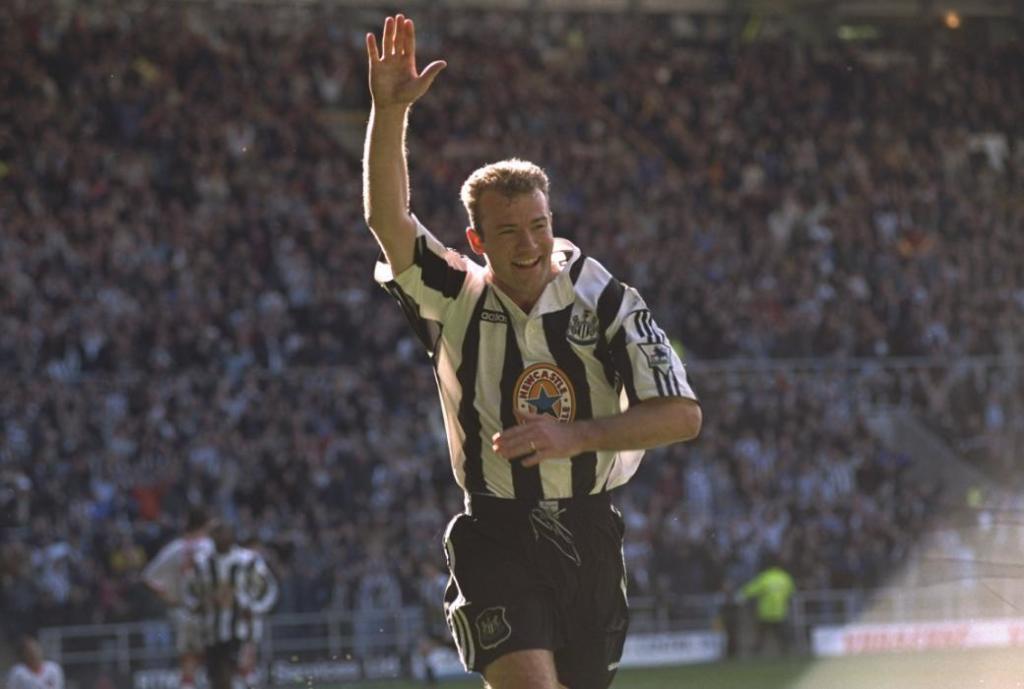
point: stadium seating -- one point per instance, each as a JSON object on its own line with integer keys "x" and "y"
{"x": 189, "y": 316}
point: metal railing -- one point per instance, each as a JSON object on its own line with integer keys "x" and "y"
{"x": 362, "y": 636}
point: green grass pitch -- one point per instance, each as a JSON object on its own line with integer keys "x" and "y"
{"x": 984, "y": 669}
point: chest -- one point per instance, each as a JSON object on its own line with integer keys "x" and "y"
{"x": 223, "y": 571}
{"x": 572, "y": 330}
{"x": 47, "y": 678}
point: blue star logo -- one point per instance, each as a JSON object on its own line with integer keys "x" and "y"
{"x": 543, "y": 403}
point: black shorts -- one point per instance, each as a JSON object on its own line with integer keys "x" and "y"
{"x": 528, "y": 575}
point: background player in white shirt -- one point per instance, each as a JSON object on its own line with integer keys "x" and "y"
{"x": 34, "y": 672}
{"x": 166, "y": 575}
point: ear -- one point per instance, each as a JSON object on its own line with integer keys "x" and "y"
{"x": 476, "y": 242}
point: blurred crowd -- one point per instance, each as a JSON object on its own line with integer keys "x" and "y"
{"x": 188, "y": 314}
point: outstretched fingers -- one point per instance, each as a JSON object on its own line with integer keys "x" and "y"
{"x": 388, "y": 36}
{"x": 398, "y": 38}
{"x": 372, "y": 52}
{"x": 394, "y": 77}
{"x": 409, "y": 43}
{"x": 432, "y": 70}
{"x": 399, "y": 46}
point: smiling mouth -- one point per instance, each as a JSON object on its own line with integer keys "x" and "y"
{"x": 526, "y": 264}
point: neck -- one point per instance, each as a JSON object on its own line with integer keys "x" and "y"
{"x": 526, "y": 306}
{"x": 524, "y": 302}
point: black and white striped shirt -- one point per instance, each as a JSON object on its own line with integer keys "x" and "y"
{"x": 231, "y": 592}
{"x": 589, "y": 348}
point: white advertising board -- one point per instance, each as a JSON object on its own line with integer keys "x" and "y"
{"x": 923, "y": 636}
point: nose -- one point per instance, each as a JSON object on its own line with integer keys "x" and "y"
{"x": 527, "y": 240}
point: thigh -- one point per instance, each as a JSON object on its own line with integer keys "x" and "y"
{"x": 221, "y": 661}
{"x": 494, "y": 603}
{"x": 188, "y": 633}
{"x": 598, "y": 622}
{"x": 247, "y": 657}
{"x": 531, "y": 669}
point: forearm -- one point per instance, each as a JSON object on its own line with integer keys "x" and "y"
{"x": 265, "y": 599}
{"x": 193, "y": 593}
{"x": 386, "y": 183}
{"x": 159, "y": 590}
{"x": 259, "y": 590}
{"x": 649, "y": 424}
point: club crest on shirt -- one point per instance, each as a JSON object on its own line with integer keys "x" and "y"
{"x": 492, "y": 627}
{"x": 545, "y": 389}
{"x": 583, "y": 328}
{"x": 658, "y": 355}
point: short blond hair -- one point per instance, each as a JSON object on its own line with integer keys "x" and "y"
{"x": 510, "y": 177}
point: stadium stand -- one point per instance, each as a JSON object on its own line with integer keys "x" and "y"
{"x": 188, "y": 313}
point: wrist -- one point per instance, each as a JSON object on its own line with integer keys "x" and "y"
{"x": 582, "y": 436}
{"x": 396, "y": 110}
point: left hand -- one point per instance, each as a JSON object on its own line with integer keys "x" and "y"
{"x": 394, "y": 79}
{"x": 225, "y": 596}
{"x": 539, "y": 437}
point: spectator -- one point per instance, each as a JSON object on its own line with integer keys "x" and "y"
{"x": 180, "y": 325}
{"x": 773, "y": 588}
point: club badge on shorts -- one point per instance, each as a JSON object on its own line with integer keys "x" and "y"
{"x": 545, "y": 389}
{"x": 492, "y": 627}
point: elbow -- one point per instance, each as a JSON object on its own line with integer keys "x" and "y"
{"x": 374, "y": 221}
{"x": 388, "y": 221}
{"x": 690, "y": 420}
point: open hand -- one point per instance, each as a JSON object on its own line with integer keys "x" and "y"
{"x": 537, "y": 438}
{"x": 394, "y": 80}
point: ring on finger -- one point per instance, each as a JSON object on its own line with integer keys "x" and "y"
{"x": 533, "y": 446}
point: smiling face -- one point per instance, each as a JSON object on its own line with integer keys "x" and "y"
{"x": 516, "y": 237}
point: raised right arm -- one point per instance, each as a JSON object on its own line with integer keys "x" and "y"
{"x": 394, "y": 86}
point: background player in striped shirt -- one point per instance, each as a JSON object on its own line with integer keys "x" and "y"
{"x": 231, "y": 589}
{"x": 165, "y": 575}
{"x": 553, "y": 378}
